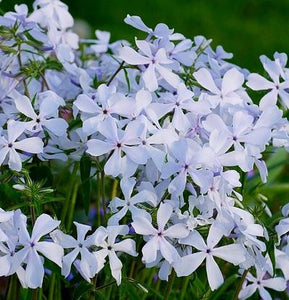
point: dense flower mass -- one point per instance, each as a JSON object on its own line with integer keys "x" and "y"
{"x": 170, "y": 120}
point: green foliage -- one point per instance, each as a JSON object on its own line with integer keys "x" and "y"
{"x": 85, "y": 167}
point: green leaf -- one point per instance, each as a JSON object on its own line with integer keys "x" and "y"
{"x": 276, "y": 164}
{"x": 270, "y": 248}
{"x": 281, "y": 187}
{"x": 83, "y": 288}
{"x": 127, "y": 79}
{"x": 219, "y": 293}
{"x": 85, "y": 167}
{"x": 41, "y": 174}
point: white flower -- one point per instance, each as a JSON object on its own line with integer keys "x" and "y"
{"x": 233, "y": 253}
{"x": 260, "y": 283}
{"x": 95, "y": 108}
{"x": 9, "y": 145}
{"x": 277, "y": 88}
{"x": 158, "y": 239}
{"x": 155, "y": 64}
{"x": 129, "y": 203}
{"x": 118, "y": 141}
{"x": 48, "y": 113}
{"x": 109, "y": 247}
{"x": 51, "y": 13}
{"x": 186, "y": 152}
{"x": 231, "y": 83}
{"x": 88, "y": 265}
{"x": 32, "y": 275}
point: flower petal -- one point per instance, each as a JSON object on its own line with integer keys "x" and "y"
{"x": 150, "y": 78}
{"x": 30, "y": 145}
{"x": 163, "y": 215}
{"x": 132, "y": 57}
{"x": 115, "y": 266}
{"x": 214, "y": 274}
{"x": 205, "y": 79}
{"x": 34, "y": 270}
{"x": 189, "y": 263}
{"x": 234, "y": 253}
{"x": 149, "y": 251}
{"x": 52, "y": 251}
{"x": 44, "y": 224}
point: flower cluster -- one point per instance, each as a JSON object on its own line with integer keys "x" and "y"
{"x": 23, "y": 254}
{"x": 169, "y": 118}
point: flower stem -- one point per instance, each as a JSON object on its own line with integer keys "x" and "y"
{"x": 67, "y": 200}
{"x": 103, "y": 195}
{"x": 114, "y": 189}
{"x": 184, "y": 288}
{"x": 170, "y": 285}
{"x": 51, "y": 287}
{"x": 26, "y": 91}
{"x": 98, "y": 215}
{"x": 12, "y": 290}
{"x": 115, "y": 73}
{"x": 239, "y": 287}
{"x": 34, "y": 294}
{"x": 32, "y": 214}
{"x": 72, "y": 205}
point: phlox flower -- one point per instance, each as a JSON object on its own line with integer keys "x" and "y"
{"x": 47, "y": 118}
{"x": 103, "y": 104}
{"x": 51, "y": 13}
{"x": 109, "y": 246}
{"x": 242, "y": 130}
{"x": 9, "y": 145}
{"x": 186, "y": 163}
{"x": 161, "y": 30}
{"x": 277, "y": 87}
{"x": 121, "y": 207}
{"x": 159, "y": 239}
{"x": 118, "y": 141}
{"x": 156, "y": 64}
{"x": 260, "y": 282}
{"x": 228, "y": 93}
{"x": 87, "y": 265}
{"x": 233, "y": 253}
{"x": 176, "y": 104}
{"x": 32, "y": 275}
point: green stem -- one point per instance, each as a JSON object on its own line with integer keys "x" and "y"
{"x": 239, "y": 287}
{"x": 114, "y": 189}
{"x": 98, "y": 200}
{"x": 32, "y": 214}
{"x": 132, "y": 269}
{"x": 115, "y": 73}
{"x": 45, "y": 83}
{"x": 40, "y": 294}
{"x": 72, "y": 206}
{"x": 103, "y": 195}
{"x": 105, "y": 285}
{"x": 34, "y": 294}
{"x": 26, "y": 91}
{"x": 51, "y": 287}
{"x": 67, "y": 200}
{"x": 11, "y": 288}
{"x": 170, "y": 285}
{"x": 184, "y": 288}
{"x": 58, "y": 295}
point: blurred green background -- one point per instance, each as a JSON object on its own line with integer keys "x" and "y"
{"x": 248, "y": 28}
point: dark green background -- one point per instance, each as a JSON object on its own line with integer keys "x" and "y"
{"x": 248, "y": 28}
